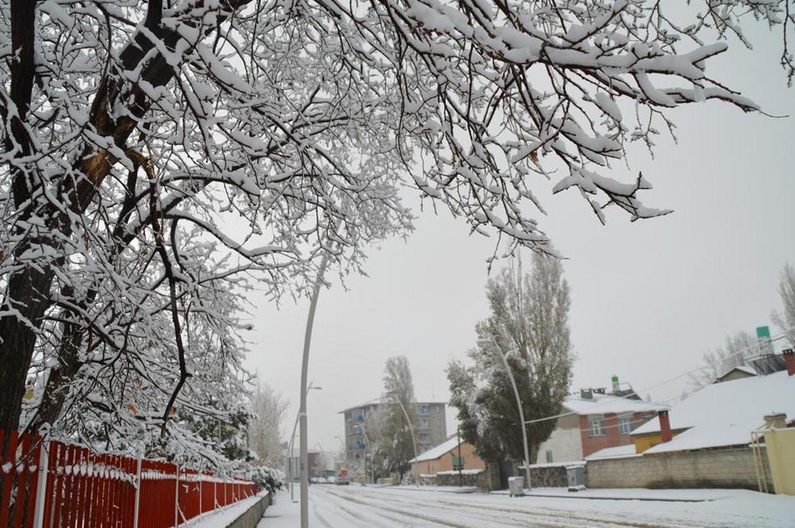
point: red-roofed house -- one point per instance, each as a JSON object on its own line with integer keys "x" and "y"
{"x": 594, "y": 421}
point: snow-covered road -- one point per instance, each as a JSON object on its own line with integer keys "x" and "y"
{"x": 355, "y": 507}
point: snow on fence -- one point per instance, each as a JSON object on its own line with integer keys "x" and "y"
{"x": 55, "y": 485}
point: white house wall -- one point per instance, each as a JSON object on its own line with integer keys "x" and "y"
{"x": 565, "y": 442}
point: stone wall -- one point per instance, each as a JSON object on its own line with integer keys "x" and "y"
{"x": 717, "y": 468}
{"x": 547, "y": 476}
{"x": 470, "y": 478}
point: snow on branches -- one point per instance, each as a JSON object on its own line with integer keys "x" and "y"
{"x": 160, "y": 156}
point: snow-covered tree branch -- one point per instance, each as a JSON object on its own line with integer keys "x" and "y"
{"x": 157, "y": 155}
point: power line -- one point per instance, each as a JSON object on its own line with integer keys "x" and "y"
{"x": 782, "y": 335}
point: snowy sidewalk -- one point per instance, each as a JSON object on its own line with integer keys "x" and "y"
{"x": 641, "y": 494}
{"x": 283, "y": 513}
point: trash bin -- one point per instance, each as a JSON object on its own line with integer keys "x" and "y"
{"x": 576, "y": 477}
{"x": 516, "y": 486}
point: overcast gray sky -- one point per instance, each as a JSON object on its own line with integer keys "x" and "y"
{"x": 648, "y": 298}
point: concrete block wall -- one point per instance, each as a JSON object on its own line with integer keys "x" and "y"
{"x": 718, "y": 468}
{"x": 251, "y": 517}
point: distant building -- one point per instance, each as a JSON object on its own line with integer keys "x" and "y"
{"x": 293, "y": 463}
{"x": 730, "y": 434}
{"x": 595, "y": 420}
{"x": 451, "y": 455}
{"x": 721, "y": 414}
{"x": 431, "y": 428}
{"x": 735, "y": 373}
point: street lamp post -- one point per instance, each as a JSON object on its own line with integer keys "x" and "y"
{"x": 292, "y": 442}
{"x": 310, "y": 320}
{"x": 493, "y": 341}
{"x": 460, "y": 460}
{"x": 411, "y": 430}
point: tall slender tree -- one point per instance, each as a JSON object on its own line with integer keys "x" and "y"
{"x": 529, "y": 325}
{"x": 397, "y": 440}
{"x": 268, "y": 409}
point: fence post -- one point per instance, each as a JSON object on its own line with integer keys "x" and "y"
{"x": 176, "y": 495}
{"x": 137, "y": 491}
{"x": 41, "y": 492}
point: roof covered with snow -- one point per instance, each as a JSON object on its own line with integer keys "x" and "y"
{"x": 380, "y": 401}
{"x": 724, "y": 414}
{"x": 434, "y": 453}
{"x": 614, "y": 452}
{"x": 608, "y": 404}
{"x": 751, "y": 371}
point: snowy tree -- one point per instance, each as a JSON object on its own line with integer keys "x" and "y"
{"x": 157, "y": 153}
{"x": 396, "y": 440}
{"x": 529, "y": 325}
{"x": 268, "y": 409}
{"x": 786, "y": 290}
{"x": 376, "y": 445}
{"x": 718, "y": 362}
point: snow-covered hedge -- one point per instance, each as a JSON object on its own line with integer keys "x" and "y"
{"x": 267, "y": 478}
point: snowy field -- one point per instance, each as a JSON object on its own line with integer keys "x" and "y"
{"x": 371, "y": 507}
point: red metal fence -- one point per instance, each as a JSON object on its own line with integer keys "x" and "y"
{"x": 55, "y": 485}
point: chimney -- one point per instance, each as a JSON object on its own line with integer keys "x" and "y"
{"x": 776, "y": 421}
{"x": 665, "y": 426}
{"x": 586, "y": 394}
{"x": 789, "y": 359}
{"x": 615, "y": 384}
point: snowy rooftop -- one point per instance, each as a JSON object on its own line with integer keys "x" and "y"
{"x": 614, "y": 452}
{"x": 725, "y": 413}
{"x": 608, "y": 404}
{"x": 378, "y": 401}
{"x": 436, "y": 452}
{"x": 740, "y": 368}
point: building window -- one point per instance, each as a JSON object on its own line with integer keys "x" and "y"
{"x": 625, "y": 424}
{"x": 549, "y": 457}
{"x": 596, "y": 427}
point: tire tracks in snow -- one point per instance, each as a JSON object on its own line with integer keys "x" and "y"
{"x": 481, "y": 515}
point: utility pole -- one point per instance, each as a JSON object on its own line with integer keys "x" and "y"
{"x": 310, "y": 320}
{"x": 460, "y": 461}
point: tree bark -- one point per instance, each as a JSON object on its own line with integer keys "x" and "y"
{"x": 28, "y": 290}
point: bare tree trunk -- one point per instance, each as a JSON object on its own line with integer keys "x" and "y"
{"x": 28, "y": 289}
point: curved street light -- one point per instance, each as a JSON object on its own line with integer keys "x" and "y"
{"x": 411, "y": 430}
{"x": 292, "y": 442}
{"x": 492, "y": 341}
{"x": 310, "y": 320}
